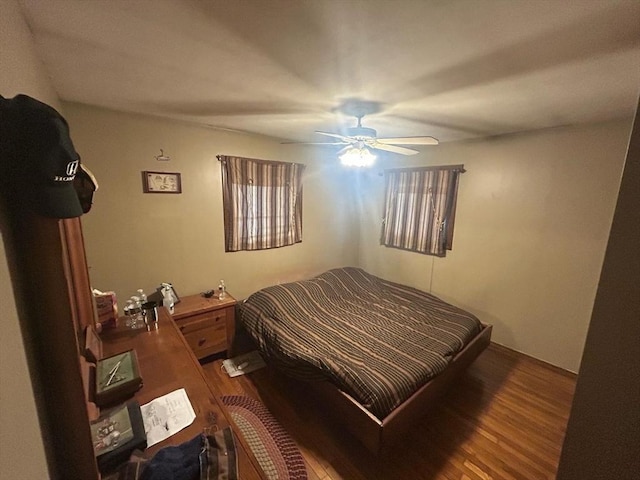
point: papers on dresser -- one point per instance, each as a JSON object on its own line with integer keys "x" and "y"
{"x": 167, "y": 415}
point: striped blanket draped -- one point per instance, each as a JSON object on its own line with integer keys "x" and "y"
{"x": 376, "y": 340}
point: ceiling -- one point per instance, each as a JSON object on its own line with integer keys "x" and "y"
{"x": 452, "y": 69}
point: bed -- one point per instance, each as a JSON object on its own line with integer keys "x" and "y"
{"x": 377, "y": 353}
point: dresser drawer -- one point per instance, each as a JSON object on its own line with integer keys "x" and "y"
{"x": 202, "y": 320}
{"x": 207, "y": 341}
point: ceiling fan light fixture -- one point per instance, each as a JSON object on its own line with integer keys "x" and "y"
{"x": 357, "y": 156}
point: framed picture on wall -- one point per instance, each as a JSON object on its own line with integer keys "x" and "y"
{"x": 161, "y": 182}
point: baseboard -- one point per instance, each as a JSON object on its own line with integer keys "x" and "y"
{"x": 514, "y": 353}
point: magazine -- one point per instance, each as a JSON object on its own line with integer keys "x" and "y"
{"x": 242, "y": 364}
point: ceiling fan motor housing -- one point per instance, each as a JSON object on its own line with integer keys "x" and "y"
{"x": 363, "y": 132}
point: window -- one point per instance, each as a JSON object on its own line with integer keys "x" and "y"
{"x": 262, "y": 203}
{"x": 420, "y": 209}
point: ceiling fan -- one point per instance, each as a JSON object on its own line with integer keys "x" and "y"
{"x": 360, "y": 137}
{"x": 363, "y": 138}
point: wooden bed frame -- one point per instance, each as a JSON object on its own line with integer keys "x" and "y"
{"x": 375, "y": 433}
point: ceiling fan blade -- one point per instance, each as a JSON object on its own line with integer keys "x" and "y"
{"x": 409, "y": 141}
{"x": 394, "y": 148}
{"x": 314, "y": 143}
{"x": 336, "y": 135}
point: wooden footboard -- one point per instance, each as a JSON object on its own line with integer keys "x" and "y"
{"x": 375, "y": 433}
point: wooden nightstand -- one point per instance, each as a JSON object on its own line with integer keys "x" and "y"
{"x": 208, "y": 324}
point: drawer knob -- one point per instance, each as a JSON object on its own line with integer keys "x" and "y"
{"x": 182, "y": 328}
{"x": 202, "y": 341}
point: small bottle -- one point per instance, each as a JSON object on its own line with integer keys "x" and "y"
{"x": 143, "y": 299}
{"x": 167, "y": 298}
{"x": 222, "y": 290}
{"x": 142, "y": 296}
{"x": 127, "y": 313}
{"x": 136, "y": 313}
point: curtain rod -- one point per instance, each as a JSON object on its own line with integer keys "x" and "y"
{"x": 220, "y": 159}
{"x": 460, "y": 168}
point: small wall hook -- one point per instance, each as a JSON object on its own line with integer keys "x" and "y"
{"x": 162, "y": 157}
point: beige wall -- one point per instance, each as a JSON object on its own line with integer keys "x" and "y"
{"x": 534, "y": 212}
{"x": 20, "y": 72}
{"x": 136, "y": 240}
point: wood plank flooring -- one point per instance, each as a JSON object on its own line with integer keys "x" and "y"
{"x": 506, "y": 419}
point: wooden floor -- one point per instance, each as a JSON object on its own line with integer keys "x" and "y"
{"x": 506, "y": 419}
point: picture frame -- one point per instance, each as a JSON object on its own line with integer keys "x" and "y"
{"x": 161, "y": 182}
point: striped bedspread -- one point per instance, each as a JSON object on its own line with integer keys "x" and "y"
{"x": 376, "y": 340}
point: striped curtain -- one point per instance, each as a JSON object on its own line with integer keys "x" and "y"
{"x": 262, "y": 203}
{"x": 419, "y": 209}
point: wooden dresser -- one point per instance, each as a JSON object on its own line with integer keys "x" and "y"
{"x": 167, "y": 363}
{"x": 208, "y": 324}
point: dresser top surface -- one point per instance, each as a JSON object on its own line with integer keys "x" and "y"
{"x": 198, "y": 303}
